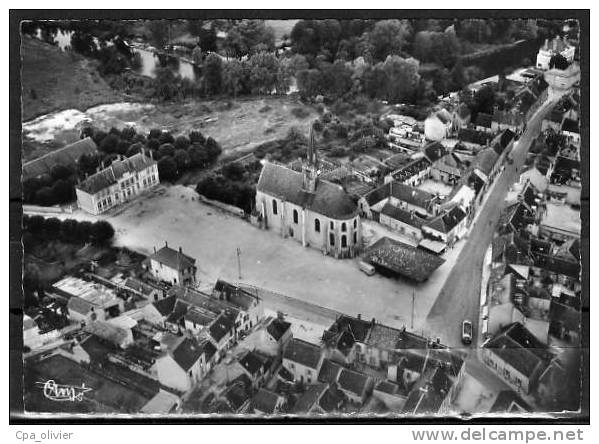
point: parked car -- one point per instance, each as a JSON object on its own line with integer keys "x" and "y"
{"x": 367, "y": 268}
{"x": 467, "y": 332}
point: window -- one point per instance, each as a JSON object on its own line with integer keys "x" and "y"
{"x": 343, "y": 227}
{"x": 332, "y": 239}
{"x": 291, "y": 232}
{"x": 332, "y": 225}
{"x": 274, "y": 206}
{"x": 317, "y": 225}
{"x": 355, "y": 238}
{"x": 343, "y": 241}
{"x": 295, "y": 216}
{"x": 355, "y": 223}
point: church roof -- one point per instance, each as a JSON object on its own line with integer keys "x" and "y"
{"x": 328, "y": 199}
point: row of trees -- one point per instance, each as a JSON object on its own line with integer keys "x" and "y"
{"x": 38, "y": 229}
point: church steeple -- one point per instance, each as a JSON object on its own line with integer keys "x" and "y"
{"x": 310, "y": 169}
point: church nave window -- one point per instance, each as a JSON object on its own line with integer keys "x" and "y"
{"x": 274, "y": 206}
{"x": 317, "y": 225}
{"x": 332, "y": 239}
{"x": 295, "y": 216}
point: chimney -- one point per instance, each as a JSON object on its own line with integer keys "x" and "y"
{"x": 373, "y": 322}
{"x": 102, "y": 164}
{"x": 154, "y": 250}
{"x": 166, "y": 244}
{"x": 180, "y": 250}
{"x": 359, "y": 316}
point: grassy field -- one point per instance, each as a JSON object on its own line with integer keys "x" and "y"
{"x": 53, "y": 80}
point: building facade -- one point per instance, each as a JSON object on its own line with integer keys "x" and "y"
{"x": 120, "y": 182}
{"x": 312, "y": 211}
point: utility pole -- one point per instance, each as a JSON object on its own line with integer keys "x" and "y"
{"x": 412, "y": 322}
{"x": 239, "y": 263}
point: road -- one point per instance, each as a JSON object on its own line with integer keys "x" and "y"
{"x": 459, "y": 298}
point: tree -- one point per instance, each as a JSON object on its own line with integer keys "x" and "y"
{"x": 67, "y": 228}
{"x": 263, "y": 68}
{"x": 166, "y": 84}
{"x": 166, "y": 149}
{"x": 134, "y": 149}
{"x": 213, "y": 68}
{"x": 389, "y": 37}
{"x": 309, "y": 82}
{"x": 83, "y": 231}
{"x": 198, "y": 156}
{"x": 196, "y": 137}
{"x": 45, "y": 196}
{"x": 52, "y": 227}
{"x": 63, "y": 191}
{"x": 436, "y": 47}
{"x": 233, "y": 75}
{"x": 558, "y": 61}
{"x": 182, "y": 143}
{"x": 109, "y": 143}
{"x": 182, "y": 159}
{"x": 102, "y": 232}
{"x": 159, "y": 32}
{"x": 402, "y": 78}
{"x": 167, "y": 168}
{"x": 83, "y": 43}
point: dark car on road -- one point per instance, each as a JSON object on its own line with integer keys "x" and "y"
{"x": 467, "y": 332}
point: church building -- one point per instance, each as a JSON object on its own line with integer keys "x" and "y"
{"x": 315, "y": 212}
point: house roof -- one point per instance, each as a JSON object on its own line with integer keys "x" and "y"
{"x": 358, "y": 328}
{"x": 235, "y": 295}
{"x": 166, "y": 305}
{"x": 353, "y": 381}
{"x": 508, "y": 401}
{"x": 411, "y": 169}
{"x": 79, "y": 305}
{"x": 139, "y": 286}
{"x": 173, "y": 258}
{"x": 471, "y": 135}
{"x": 111, "y": 175}
{"x": 163, "y": 402}
{"x": 329, "y": 371}
{"x": 484, "y": 119}
{"x": 402, "y": 192}
{"x": 504, "y": 117}
{"x": 428, "y": 395}
{"x": 221, "y": 326}
{"x": 302, "y": 352}
{"x": 402, "y": 215}
{"x": 252, "y": 362}
{"x": 328, "y": 199}
{"x": 198, "y": 317}
{"x": 448, "y": 220}
{"x": 265, "y": 401}
{"x": 309, "y": 398}
{"x": 187, "y": 353}
{"x": 331, "y": 400}
{"x": 485, "y": 160}
{"x": 179, "y": 311}
{"x": 107, "y": 331}
{"x": 520, "y": 348}
{"x": 383, "y": 337}
{"x": 66, "y": 156}
{"x": 433, "y": 151}
{"x": 277, "y": 328}
{"x": 387, "y": 387}
{"x": 403, "y": 259}
{"x": 463, "y": 111}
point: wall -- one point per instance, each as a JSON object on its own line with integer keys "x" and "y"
{"x": 301, "y": 372}
{"x": 501, "y": 368}
{"x": 401, "y": 227}
{"x": 164, "y": 273}
{"x": 86, "y": 201}
{"x": 170, "y": 374}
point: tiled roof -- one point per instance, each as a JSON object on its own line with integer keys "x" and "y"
{"x": 471, "y": 135}
{"x": 165, "y": 306}
{"x": 277, "y": 328}
{"x": 387, "y": 387}
{"x": 434, "y": 151}
{"x": 66, "y": 156}
{"x": 107, "y": 331}
{"x": 309, "y": 398}
{"x": 328, "y": 199}
{"x": 485, "y": 160}
{"x": 402, "y": 215}
{"x": 187, "y": 353}
{"x": 411, "y": 169}
{"x": 252, "y": 363}
{"x": 483, "y": 119}
{"x": 520, "y": 348}
{"x": 570, "y": 126}
{"x": 79, "y": 305}
{"x": 463, "y": 111}
{"x": 329, "y": 371}
{"x": 235, "y": 295}
{"x": 508, "y": 401}
{"x": 110, "y": 176}
{"x": 173, "y": 258}
{"x": 403, "y": 259}
{"x": 354, "y": 382}
{"x": 265, "y": 401}
{"x": 447, "y": 221}
{"x": 220, "y": 327}
{"x": 303, "y": 353}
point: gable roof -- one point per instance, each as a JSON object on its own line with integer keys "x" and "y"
{"x": 111, "y": 175}
{"x": 403, "y": 259}
{"x": 353, "y": 381}
{"x": 277, "y": 328}
{"x": 67, "y": 156}
{"x": 520, "y": 348}
{"x": 173, "y": 258}
{"x": 309, "y": 398}
{"x": 252, "y": 363}
{"x": 463, "y": 111}
{"x": 402, "y": 215}
{"x": 484, "y": 119}
{"x": 221, "y": 326}
{"x": 265, "y": 401}
{"x": 187, "y": 353}
{"x": 328, "y": 199}
{"x": 485, "y": 160}
{"x": 434, "y": 151}
{"x": 448, "y": 220}
{"x": 471, "y": 135}
{"x": 166, "y": 305}
{"x": 235, "y": 295}
{"x": 79, "y": 305}
{"x": 570, "y": 126}
{"x": 302, "y": 352}
{"x": 411, "y": 169}
{"x": 329, "y": 371}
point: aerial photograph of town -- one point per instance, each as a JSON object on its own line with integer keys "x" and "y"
{"x": 302, "y": 217}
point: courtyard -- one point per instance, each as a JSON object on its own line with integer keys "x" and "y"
{"x": 435, "y": 187}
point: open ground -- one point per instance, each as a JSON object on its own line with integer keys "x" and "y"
{"x": 175, "y": 215}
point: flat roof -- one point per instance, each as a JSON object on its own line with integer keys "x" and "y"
{"x": 562, "y": 217}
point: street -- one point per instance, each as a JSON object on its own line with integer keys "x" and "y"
{"x": 459, "y": 298}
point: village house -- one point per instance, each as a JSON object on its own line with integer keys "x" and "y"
{"x": 448, "y": 169}
{"x": 184, "y": 365}
{"x": 310, "y": 210}
{"x": 484, "y": 123}
{"x": 242, "y": 299}
{"x": 461, "y": 116}
{"x": 438, "y": 125}
{"x": 390, "y": 394}
{"x": 411, "y": 174}
{"x": 402, "y": 221}
{"x": 517, "y": 357}
{"x": 406, "y": 197}
{"x": 278, "y": 331}
{"x": 303, "y": 360}
{"x": 356, "y": 386}
{"x": 432, "y": 394}
{"x": 144, "y": 290}
{"x": 447, "y": 227}
{"x": 172, "y": 266}
{"x": 266, "y": 402}
{"x": 257, "y": 366}
{"x": 120, "y": 182}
